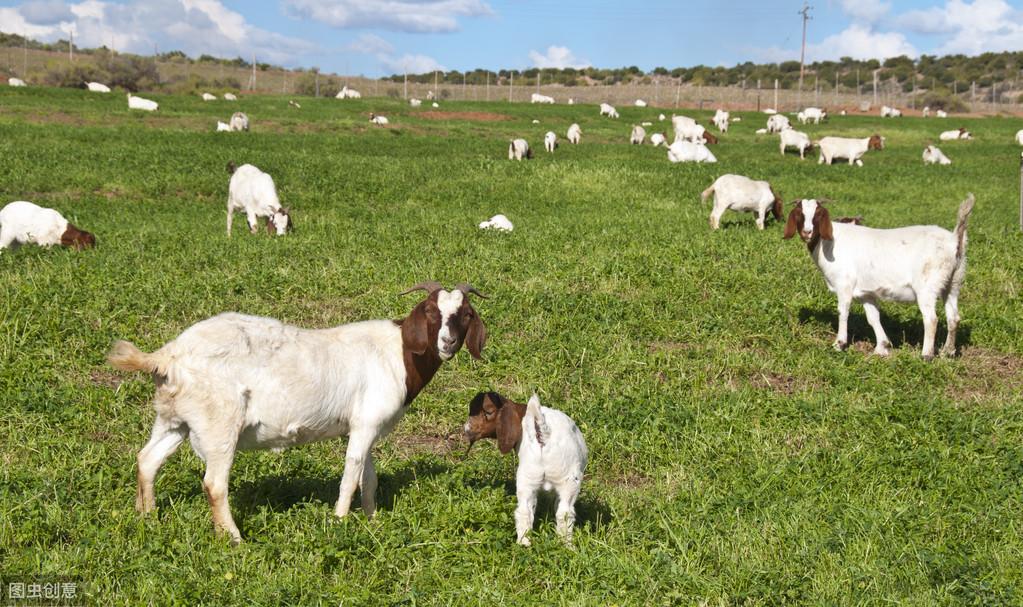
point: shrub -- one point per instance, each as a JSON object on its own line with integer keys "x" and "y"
{"x": 943, "y": 100}
{"x": 74, "y": 76}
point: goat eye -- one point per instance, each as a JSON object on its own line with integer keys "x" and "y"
{"x": 488, "y": 414}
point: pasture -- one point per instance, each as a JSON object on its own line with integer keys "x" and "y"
{"x": 735, "y": 457}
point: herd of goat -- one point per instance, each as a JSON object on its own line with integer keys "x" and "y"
{"x": 235, "y": 381}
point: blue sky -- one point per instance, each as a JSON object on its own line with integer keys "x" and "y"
{"x": 379, "y": 37}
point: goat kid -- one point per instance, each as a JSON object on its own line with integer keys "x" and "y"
{"x": 253, "y": 191}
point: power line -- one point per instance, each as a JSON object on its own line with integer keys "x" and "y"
{"x": 805, "y": 12}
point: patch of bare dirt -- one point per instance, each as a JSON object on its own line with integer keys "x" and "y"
{"x": 669, "y": 346}
{"x": 434, "y": 442}
{"x": 471, "y": 116}
{"x": 986, "y": 374}
{"x": 107, "y": 379}
{"x": 627, "y": 480}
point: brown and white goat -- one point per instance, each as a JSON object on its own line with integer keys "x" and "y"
{"x": 23, "y": 222}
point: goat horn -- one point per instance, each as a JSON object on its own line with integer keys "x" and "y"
{"x": 429, "y": 286}
{"x": 467, "y": 288}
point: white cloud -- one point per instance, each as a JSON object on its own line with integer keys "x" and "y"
{"x": 557, "y": 57}
{"x": 400, "y": 15}
{"x": 413, "y": 64}
{"x": 857, "y": 41}
{"x": 868, "y": 11}
{"x": 193, "y": 26}
{"x": 371, "y": 44}
{"x": 969, "y": 27}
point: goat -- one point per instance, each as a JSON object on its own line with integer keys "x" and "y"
{"x": 574, "y": 133}
{"x": 814, "y": 114}
{"x": 777, "y": 123}
{"x": 890, "y": 112}
{"x": 801, "y": 117}
{"x": 852, "y": 149}
{"x": 1019, "y": 136}
{"x": 687, "y": 151}
{"x": 961, "y": 133}
{"x": 208, "y": 97}
{"x": 15, "y": 82}
{"x": 235, "y": 381}
{"x": 97, "y": 87}
{"x": 434, "y": 104}
{"x": 551, "y": 449}
{"x": 230, "y": 97}
{"x": 606, "y": 109}
{"x": 550, "y": 141}
{"x": 254, "y": 192}
{"x": 497, "y": 222}
{"x": 914, "y": 263}
{"x": 519, "y": 149}
{"x": 661, "y": 117}
{"x": 941, "y": 114}
{"x": 640, "y": 103}
{"x": 379, "y": 120}
{"x": 138, "y": 103}
{"x": 926, "y": 111}
{"x": 690, "y": 131}
{"x": 415, "y": 102}
{"x": 658, "y": 139}
{"x": 239, "y": 121}
{"x": 791, "y": 138}
{"x": 347, "y": 93}
{"x": 933, "y": 155}
{"x": 720, "y": 120}
{"x": 223, "y": 127}
{"x": 638, "y": 135}
{"x": 23, "y": 222}
{"x": 538, "y": 98}
{"x": 294, "y": 104}
{"x": 740, "y": 193}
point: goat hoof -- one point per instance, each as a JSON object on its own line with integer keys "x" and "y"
{"x": 882, "y": 352}
{"x": 524, "y": 541}
{"x": 948, "y": 353}
{"x": 839, "y": 345}
{"x": 928, "y": 357}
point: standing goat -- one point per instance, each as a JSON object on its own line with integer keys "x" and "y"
{"x": 740, "y": 193}
{"x": 606, "y": 109}
{"x": 550, "y": 141}
{"x": 791, "y": 138}
{"x": 638, "y": 135}
{"x": 552, "y": 454}
{"x": 851, "y": 149}
{"x": 246, "y": 382}
{"x": 519, "y": 149}
{"x": 254, "y": 192}
{"x": 914, "y": 263}
{"x": 574, "y": 133}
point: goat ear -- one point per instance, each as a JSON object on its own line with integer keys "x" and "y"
{"x": 509, "y": 428}
{"x": 792, "y": 224}
{"x": 824, "y": 225}
{"x": 415, "y": 331}
{"x": 476, "y": 336}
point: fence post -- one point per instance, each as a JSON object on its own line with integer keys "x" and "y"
{"x": 1021, "y": 192}
{"x": 775, "y": 108}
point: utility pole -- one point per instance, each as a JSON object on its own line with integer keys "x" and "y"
{"x": 511, "y": 85}
{"x": 252, "y": 83}
{"x": 805, "y": 12}
{"x": 406, "y": 84}
{"x": 71, "y": 46}
{"x": 488, "y": 85}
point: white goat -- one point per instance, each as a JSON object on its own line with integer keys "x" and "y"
{"x": 498, "y": 222}
{"x": 914, "y": 263}
{"x": 347, "y": 93}
{"x": 933, "y": 155}
{"x": 551, "y": 449}
{"x": 223, "y": 127}
{"x": 253, "y": 191}
{"x": 574, "y": 133}
{"x": 208, "y": 97}
{"x": 434, "y": 104}
{"x": 770, "y": 111}
{"x": 23, "y": 222}
{"x": 138, "y": 103}
{"x": 16, "y": 82}
{"x": 378, "y": 120}
{"x": 960, "y": 133}
{"x": 415, "y": 102}
{"x": 761, "y": 131}
{"x": 777, "y": 123}
{"x": 941, "y": 114}
{"x": 791, "y": 138}
{"x": 890, "y": 112}
{"x": 851, "y": 149}
{"x": 1019, "y": 136}
{"x": 740, "y": 193}
{"x": 97, "y": 87}
{"x": 608, "y": 110}
{"x": 720, "y": 120}
{"x": 687, "y": 151}
{"x": 801, "y": 117}
{"x": 638, "y": 135}
{"x": 814, "y": 114}
{"x": 230, "y": 97}
{"x": 239, "y": 122}
{"x": 661, "y": 117}
{"x": 246, "y": 382}
{"x": 658, "y": 139}
{"x": 640, "y": 103}
{"x": 695, "y": 133}
{"x": 926, "y": 111}
{"x": 538, "y": 98}
{"x": 519, "y": 149}
{"x": 550, "y": 141}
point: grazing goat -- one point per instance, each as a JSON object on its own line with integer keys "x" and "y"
{"x": 519, "y": 149}
{"x": 253, "y": 191}
{"x": 687, "y": 151}
{"x": 852, "y": 149}
{"x": 497, "y": 222}
{"x": 574, "y": 133}
{"x": 239, "y": 121}
{"x": 890, "y": 112}
{"x": 914, "y": 263}
{"x": 551, "y": 449}
{"x": 814, "y": 114}
{"x": 138, "y": 103}
{"x": 16, "y": 82}
{"x": 640, "y": 103}
{"x": 933, "y": 155}
{"x": 686, "y": 129}
{"x": 415, "y": 102}
{"x": 658, "y": 139}
{"x": 740, "y": 193}
{"x": 608, "y": 110}
{"x": 1019, "y": 136}
{"x": 941, "y": 114}
{"x": 23, "y": 222}
{"x": 720, "y": 120}
{"x": 961, "y": 133}
{"x": 97, "y": 87}
{"x": 230, "y": 97}
{"x": 347, "y": 93}
{"x": 777, "y": 123}
{"x": 638, "y": 135}
{"x": 208, "y": 97}
{"x": 235, "y": 381}
{"x": 791, "y": 138}
{"x": 550, "y": 141}
{"x": 378, "y": 120}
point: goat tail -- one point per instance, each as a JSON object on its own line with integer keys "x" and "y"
{"x": 540, "y": 427}
{"x": 964, "y": 216}
{"x": 125, "y": 356}
{"x": 706, "y": 193}
{"x": 231, "y": 167}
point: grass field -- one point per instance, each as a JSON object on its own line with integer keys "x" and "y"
{"x": 736, "y": 459}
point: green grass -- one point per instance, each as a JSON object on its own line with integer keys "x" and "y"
{"x": 735, "y": 457}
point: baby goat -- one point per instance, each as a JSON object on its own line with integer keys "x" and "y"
{"x": 245, "y": 382}
{"x": 23, "y": 222}
{"x": 551, "y": 449}
{"x": 914, "y": 263}
{"x": 253, "y": 191}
